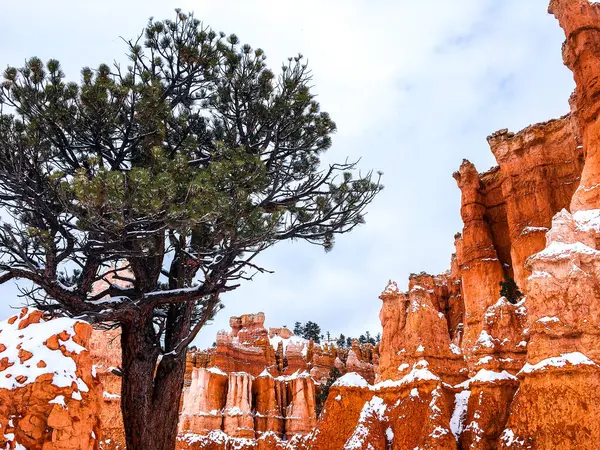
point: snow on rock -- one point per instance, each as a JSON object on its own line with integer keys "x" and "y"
{"x": 351, "y": 379}
{"x": 46, "y": 382}
{"x": 373, "y": 409}
{"x": 391, "y": 288}
{"x": 508, "y": 437}
{"x": 27, "y": 355}
{"x": 574, "y": 358}
{"x": 561, "y": 250}
{"x": 487, "y": 376}
{"x": 217, "y": 371}
{"x": 457, "y": 421}
{"x": 295, "y": 340}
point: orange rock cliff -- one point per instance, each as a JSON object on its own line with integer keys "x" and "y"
{"x": 459, "y": 366}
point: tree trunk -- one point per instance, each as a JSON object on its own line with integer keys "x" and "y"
{"x": 150, "y": 393}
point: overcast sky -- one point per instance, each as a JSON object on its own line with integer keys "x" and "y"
{"x": 414, "y": 86}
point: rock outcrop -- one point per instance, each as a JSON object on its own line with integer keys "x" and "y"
{"x": 251, "y": 348}
{"x": 49, "y": 395}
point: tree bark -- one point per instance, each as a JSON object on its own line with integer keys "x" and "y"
{"x": 150, "y": 391}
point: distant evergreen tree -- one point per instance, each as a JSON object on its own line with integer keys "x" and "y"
{"x": 349, "y": 341}
{"x": 334, "y": 374}
{"x": 369, "y": 338}
{"x": 298, "y": 329}
{"x": 312, "y": 331}
{"x": 341, "y": 341}
{"x": 510, "y": 290}
{"x": 362, "y": 339}
{"x": 378, "y": 338}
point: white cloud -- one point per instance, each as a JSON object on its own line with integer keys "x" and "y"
{"x": 413, "y": 86}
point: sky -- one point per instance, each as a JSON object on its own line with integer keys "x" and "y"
{"x": 414, "y": 86}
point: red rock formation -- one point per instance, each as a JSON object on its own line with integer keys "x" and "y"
{"x": 415, "y": 328}
{"x": 105, "y": 348}
{"x": 49, "y": 397}
{"x": 269, "y": 416}
{"x": 204, "y": 401}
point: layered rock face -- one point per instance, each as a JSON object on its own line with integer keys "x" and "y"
{"x": 49, "y": 395}
{"x": 251, "y": 348}
{"x": 260, "y": 383}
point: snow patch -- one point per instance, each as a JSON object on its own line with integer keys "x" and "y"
{"x": 487, "y": 376}
{"x": 31, "y": 339}
{"x": 574, "y": 358}
{"x": 351, "y": 379}
{"x": 457, "y": 421}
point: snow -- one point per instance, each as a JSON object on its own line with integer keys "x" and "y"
{"x": 457, "y": 421}
{"x": 484, "y": 360}
{"x": 295, "y": 375}
{"x": 548, "y": 319}
{"x": 414, "y": 392}
{"x": 487, "y": 376}
{"x": 109, "y": 396}
{"x": 528, "y": 230}
{"x": 508, "y": 436}
{"x": 391, "y": 288}
{"x": 373, "y": 408}
{"x": 389, "y": 434}
{"x": 420, "y": 348}
{"x": 265, "y": 374}
{"x": 438, "y": 432}
{"x": 295, "y": 340}
{"x": 351, "y": 379}
{"x": 562, "y": 250}
{"x": 31, "y": 339}
{"x": 58, "y": 400}
{"x": 216, "y": 371}
{"x": 403, "y": 367}
{"x": 588, "y": 220}
{"x": 455, "y": 349}
{"x": 485, "y": 340}
{"x": 419, "y": 372}
{"x": 574, "y": 358}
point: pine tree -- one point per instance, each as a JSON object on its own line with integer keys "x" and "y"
{"x": 172, "y": 173}
{"x": 341, "y": 341}
{"x": 298, "y": 329}
{"x": 334, "y": 374}
{"x": 312, "y": 331}
{"x": 510, "y": 290}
